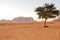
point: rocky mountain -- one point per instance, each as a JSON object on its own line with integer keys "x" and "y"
{"x": 19, "y": 19}
{"x": 23, "y": 19}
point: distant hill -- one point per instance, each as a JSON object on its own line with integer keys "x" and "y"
{"x": 19, "y": 19}
{"x": 57, "y": 20}
{"x": 23, "y": 19}
{"x": 4, "y": 20}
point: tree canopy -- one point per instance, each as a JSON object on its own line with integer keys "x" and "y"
{"x": 47, "y": 11}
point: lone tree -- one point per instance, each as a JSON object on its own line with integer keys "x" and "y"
{"x": 47, "y": 11}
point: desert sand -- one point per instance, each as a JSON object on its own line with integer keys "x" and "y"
{"x": 29, "y": 31}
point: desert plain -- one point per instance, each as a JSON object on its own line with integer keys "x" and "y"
{"x": 29, "y": 31}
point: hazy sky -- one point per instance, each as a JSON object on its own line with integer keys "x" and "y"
{"x": 14, "y": 8}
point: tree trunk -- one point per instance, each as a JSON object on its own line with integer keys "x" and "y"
{"x": 45, "y": 22}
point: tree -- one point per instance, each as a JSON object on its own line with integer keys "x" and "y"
{"x": 47, "y": 11}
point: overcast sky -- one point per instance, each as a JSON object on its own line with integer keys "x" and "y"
{"x": 14, "y": 8}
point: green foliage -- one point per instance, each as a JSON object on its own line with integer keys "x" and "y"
{"x": 47, "y": 11}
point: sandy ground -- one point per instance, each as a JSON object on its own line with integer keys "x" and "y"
{"x": 29, "y": 31}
